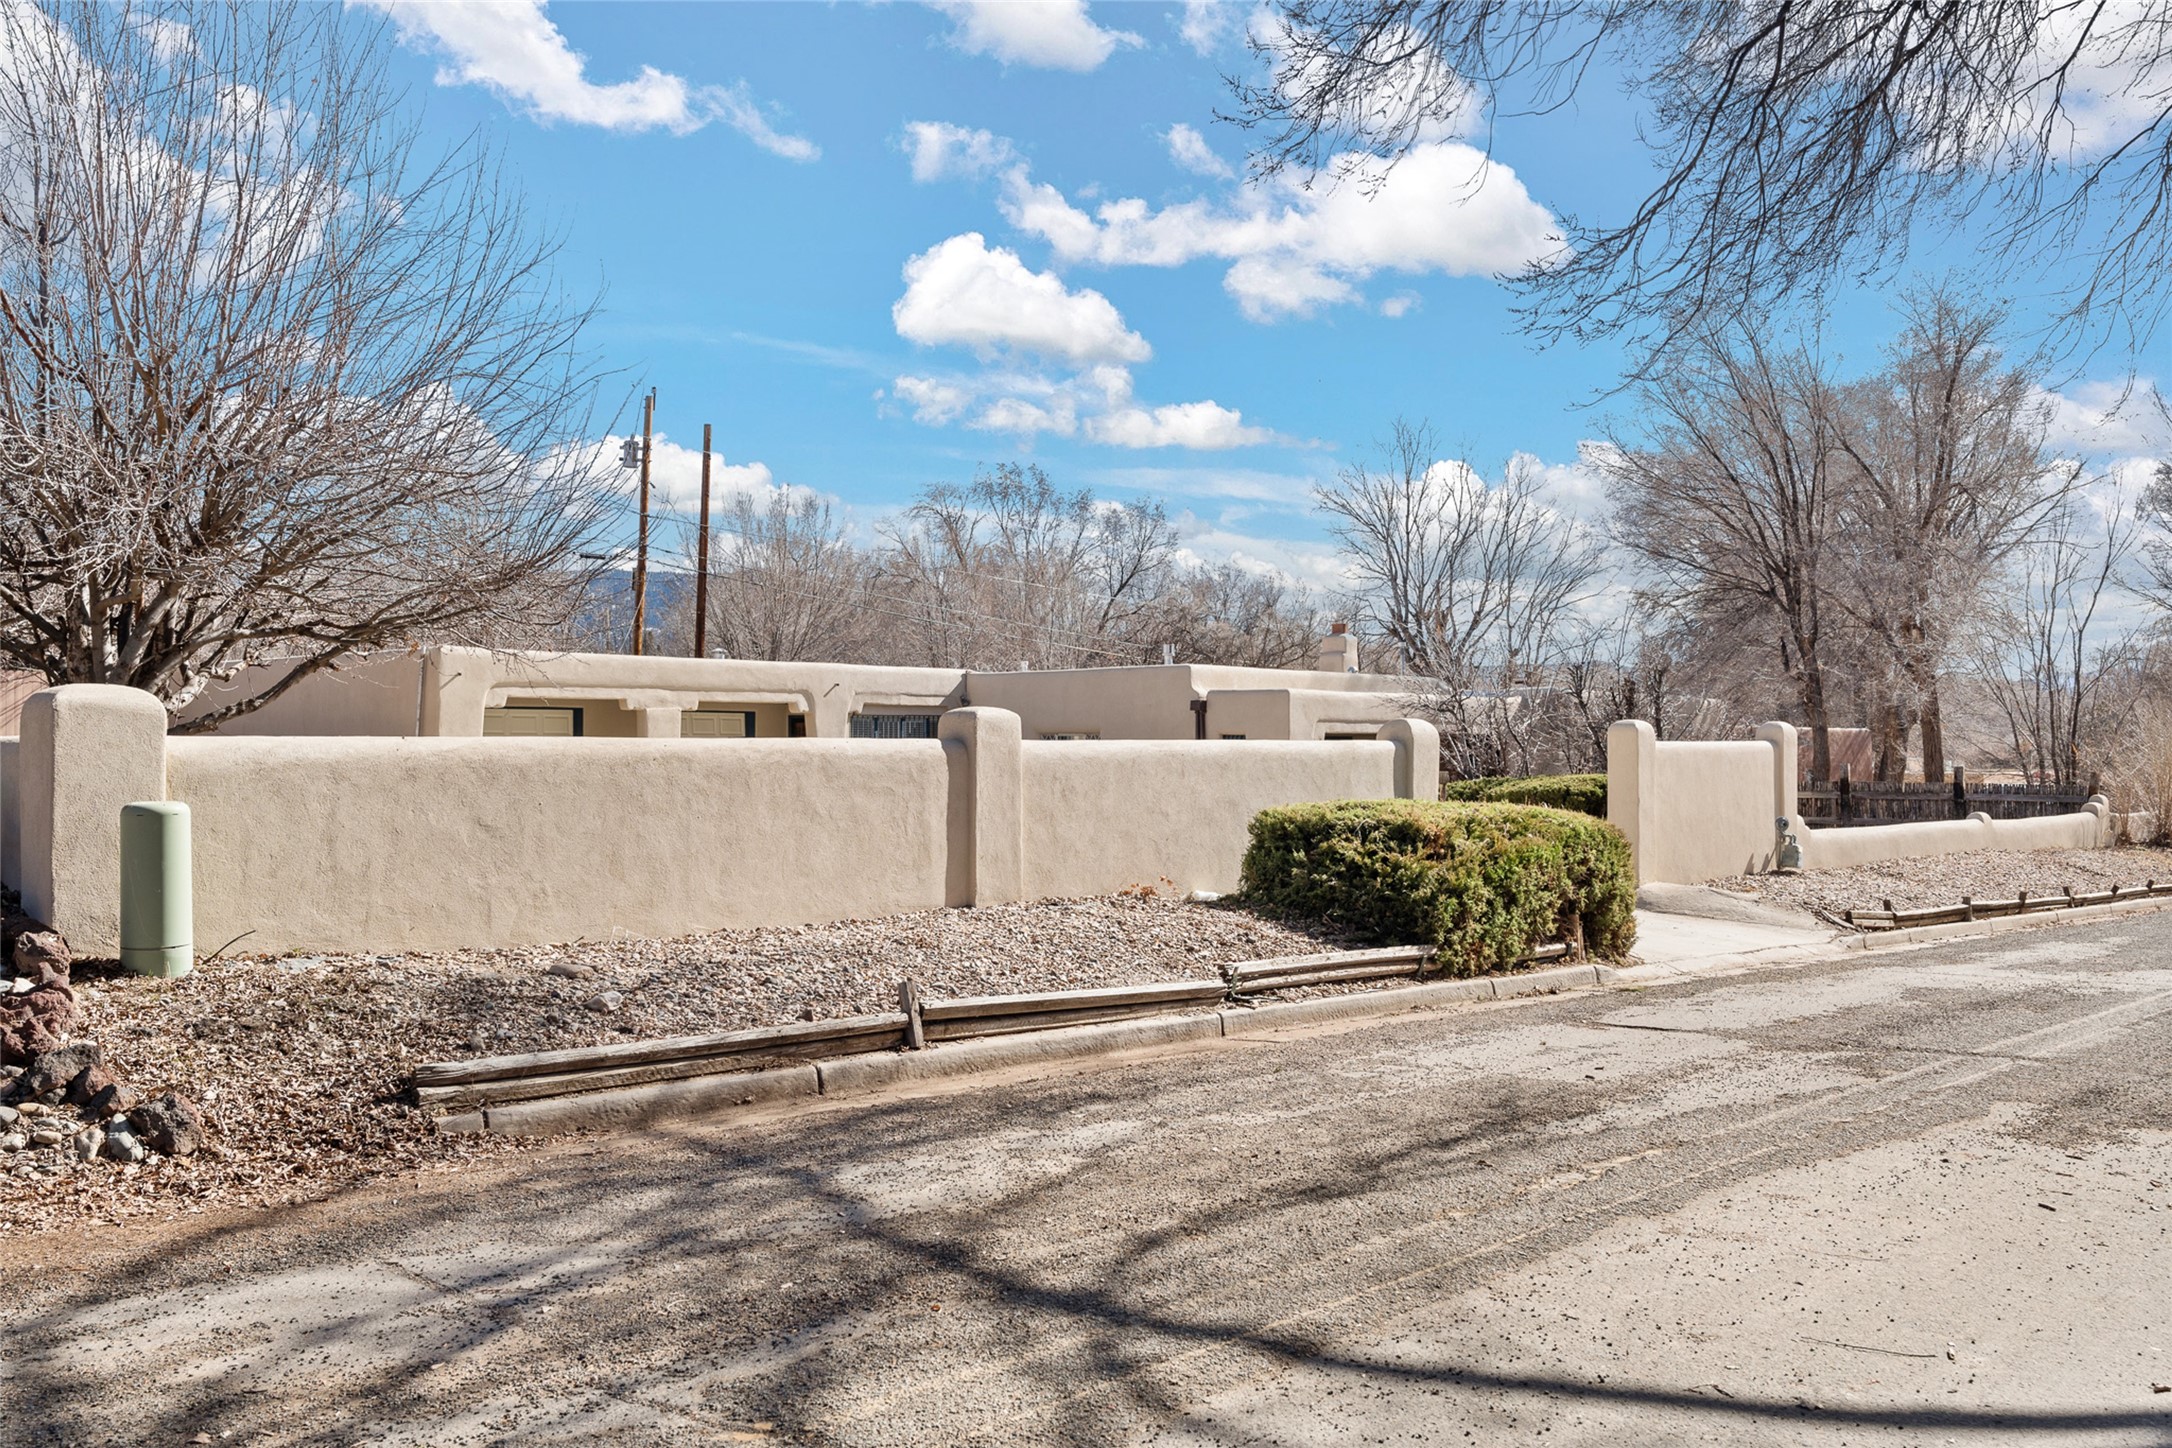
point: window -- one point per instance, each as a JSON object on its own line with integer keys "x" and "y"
{"x": 1075, "y": 734}
{"x": 894, "y": 726}
{"x": 717, "y": 724}
{"x": 522, "y": 721}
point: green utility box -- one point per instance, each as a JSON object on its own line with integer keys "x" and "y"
{"x": 158, "y": 935}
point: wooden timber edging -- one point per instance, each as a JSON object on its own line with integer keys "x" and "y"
{"x": 496, "y": 1080}
{"x": 2025, "y": 904}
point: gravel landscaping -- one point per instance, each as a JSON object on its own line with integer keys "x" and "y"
{"x": 298, "y": 1063}
{"x": 1944, "y": 879}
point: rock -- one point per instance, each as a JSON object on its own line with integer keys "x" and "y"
{"x": 169, "y": 1124}
{"x": 33, "y": 1108}
{"x": 47, "y": 1136}
{"x": 14, "y": 1141}
{"x": 8, "y": 1115}
{"x": 88, "y": 1084}
{"x": 89, "y": 1143}
{"x": 31, "y": 1025}
{"x": 53, "y": 1070}
{"x": 570, "y": 969}
{"x": 116, "y": 1099}
{"x": 122, "y": 1144}
{"x": 21, "y": 985}
{"x": 39, "y": 951}
{"x": 604, "y": 1002}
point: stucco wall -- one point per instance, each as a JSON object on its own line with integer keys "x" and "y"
{"x": 1838, "y": 847}
{"x": 435, "y": 843}
{"x": 1698, "y": 811}
{"x": 11, "y": 817}
{"x": 369, "y": 694}
{"x": 1102, "y": 815}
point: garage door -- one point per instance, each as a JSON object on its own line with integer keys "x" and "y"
{"x": 528, "y": 722}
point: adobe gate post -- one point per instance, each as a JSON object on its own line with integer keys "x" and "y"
{"x": 87, "y": 749}
{"x": 987, "y": 805}
{"x": 1417, "y": 757}
{"x": 1632, "y": 800}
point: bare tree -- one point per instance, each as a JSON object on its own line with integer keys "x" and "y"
{"x": 2051, "y": 673}
{"x": 785, "y": 583}
{"x": 1797, "y": 141}
{"x": 1223, "y": 614}
{"x": 275, "y": 384}
{"x": 1730, "y": 497}
{"x": 1473, "y": 585}
{"x": 1950, "y": 477}
{"x": 1012, "y": 569}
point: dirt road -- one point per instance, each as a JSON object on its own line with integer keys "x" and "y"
{"x": 1924, "y": 1197}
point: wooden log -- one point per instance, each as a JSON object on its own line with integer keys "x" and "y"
{"x": 963, "y": 1027}
{"x": 1321, "y": 977}
{"x": 1259, "y": 969}
{"x": 1160, "y": 995}
{"x": 852, "y": 1033}
{"x": 567, "y": 1083}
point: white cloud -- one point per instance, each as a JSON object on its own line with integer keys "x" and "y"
{"x": 1444, "y": 208}
{"x": 1190, "y": 150}
{"x": 933, "y": 401}
{"x": 2091, "y": 419}
{"x": 1021, "y": 418}
{"x": 961, "y": 292}
{"x": 1055, "y": 34}
{"x": 1201, "y": 426}
{"x": 1402, "y": 304}
{"x": 511, "y": 47}
{"x": 675, "y": 476}
{"x": 942, "y": 152}
{"x": 1205, "y": 22}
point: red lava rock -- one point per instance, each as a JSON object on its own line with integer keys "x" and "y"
{"x": 39, "y": 951}
{"x": 31, "y": 1025}
{"x": 169, "y": 1123}
{"x": 88, "y": 1083}
{"x": 114, "y": 1100}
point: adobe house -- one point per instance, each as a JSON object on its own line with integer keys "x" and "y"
{"x": 466, "y": 692}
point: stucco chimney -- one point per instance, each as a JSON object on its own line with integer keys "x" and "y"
{"x": 1338, "y": 651}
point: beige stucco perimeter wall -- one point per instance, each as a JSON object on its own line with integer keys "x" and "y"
{"x": 1714, "y": 810}
{"x": 1836, "y": 848}
{"x": 1104, "y": 814}
{"x": 433, "y": 843}
{"x": 11, "y": 817}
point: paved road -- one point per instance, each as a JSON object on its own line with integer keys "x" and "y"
{"x": 1925, "y": 1197}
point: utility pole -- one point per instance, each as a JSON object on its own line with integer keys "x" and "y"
{"x": 701, "y": 566}
{"x": 641, "y": 552}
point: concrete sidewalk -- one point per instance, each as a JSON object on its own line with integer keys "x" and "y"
{"x": 1672, "y": 945}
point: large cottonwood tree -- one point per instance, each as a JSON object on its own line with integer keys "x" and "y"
{"x": 277, "y": 381}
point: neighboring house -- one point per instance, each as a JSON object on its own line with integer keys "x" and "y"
{"x": 468, "y": 692}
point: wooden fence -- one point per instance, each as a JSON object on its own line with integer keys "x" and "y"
{"x": 1847, "y": 802}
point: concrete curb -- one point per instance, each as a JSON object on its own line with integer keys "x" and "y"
{"x": 854, "y": 1075}
{"x": 2003, "y": 925}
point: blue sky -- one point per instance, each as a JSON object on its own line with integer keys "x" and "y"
{"x": 878, "y": 245}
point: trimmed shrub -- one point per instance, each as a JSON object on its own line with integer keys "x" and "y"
{"x": 1584, "y": 793}
{"x": 1485, "y": 883}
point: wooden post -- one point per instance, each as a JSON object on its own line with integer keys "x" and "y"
{"x": 1968, "y": 907}
{"x": 701, "y": 565}
{"x": 908, "y": 1001}
{"x": 1847, "y": 795}
{"x": 1960, "y": 793}
{"x": 641, "y": 548}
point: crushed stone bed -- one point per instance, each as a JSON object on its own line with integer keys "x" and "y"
{"x": 1944, "y": 879}
{"x": 299, "y": 1062}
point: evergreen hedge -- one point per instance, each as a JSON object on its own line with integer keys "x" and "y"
{"x": 1485, "y": 883}
{"x": 1584, "y": 793}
